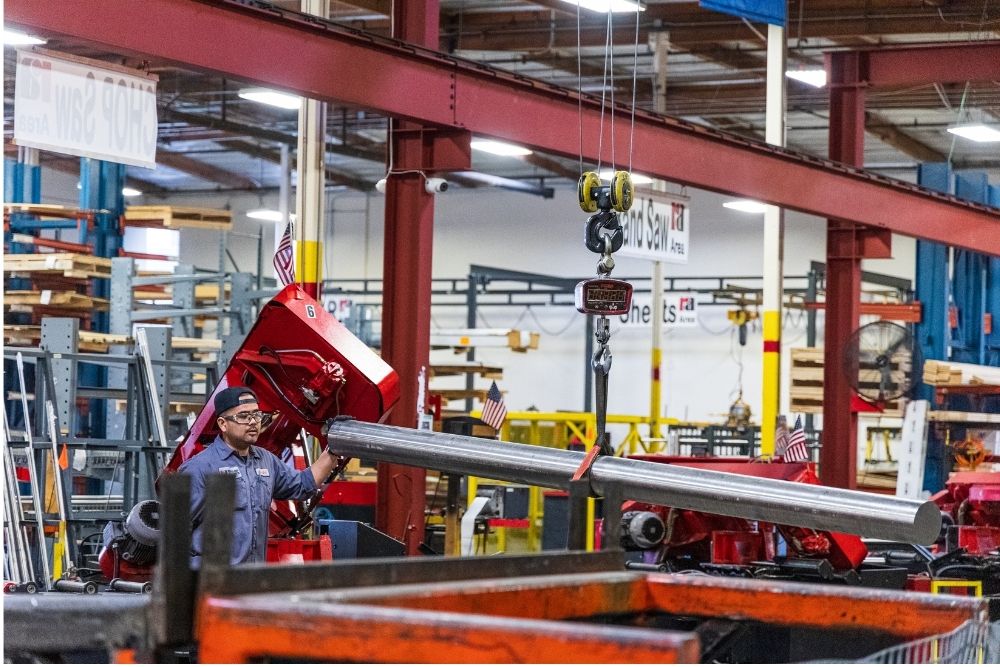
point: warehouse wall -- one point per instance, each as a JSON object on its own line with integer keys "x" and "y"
{"x": 702, "y": 366}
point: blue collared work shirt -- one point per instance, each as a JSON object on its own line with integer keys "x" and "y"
{"x": 260, "y": 477}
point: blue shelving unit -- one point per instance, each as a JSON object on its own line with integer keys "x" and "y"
{"x": 960, "y": 293}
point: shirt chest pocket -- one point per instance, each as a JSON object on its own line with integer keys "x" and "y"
{"x": 262, "y": 489}
{"x": 242, "y": 497}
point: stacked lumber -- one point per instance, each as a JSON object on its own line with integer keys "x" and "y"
{"x": 461, "y": 339}
{"x": 476, "y": 367}
{"x": 175, "y": 217}
{"x": 21, "y": 301}
{"x": 64, "y": 264}
{"x": 46, "y": 211}
{"x": 96, "y": 341}
{"x": 808, "y": 366}
{"x": 951, "y": 373}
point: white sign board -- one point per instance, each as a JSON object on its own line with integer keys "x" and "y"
{"x": 679, "y": 310}
{"x": 84, "y": 107}
{"x": 657, "y": 228}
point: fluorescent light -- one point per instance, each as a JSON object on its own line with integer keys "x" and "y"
{"x": 976, "y": 132}
{"x": 637, "y": 179}
{"x": 15, "y": 38}
{"x": 268, "y": 214}
{"x": 605, "y": 6}
{"x": 271, "y": 97}
{"x": 499, "y": 147}
{"x": 746, "y": 206}
{"x": 812, "y": 77}
{"x": 131, "y": 192}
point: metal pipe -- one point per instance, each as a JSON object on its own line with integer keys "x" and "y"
{"x": 754, "y": 498}
{"x": 71, "y": 586}
{"x": 122, "y": 586}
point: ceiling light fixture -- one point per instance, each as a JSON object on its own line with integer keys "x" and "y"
{"x": 131, "y": 192}
{"x": 268, "y": 214}
{"x": 271, "y": 97}
{"x": 746, "y": 206}
{"x": 15, "y": 38}
{"x": 976, "y": 132}
{"x": 637, "y": 179}
{"x": 812, "y": 77}
{"x": 605, "y": 6}
{"x": 499, "y": 148}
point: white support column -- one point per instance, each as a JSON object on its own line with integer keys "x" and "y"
{"x": 309, "y": 199}
{"x": 660, "y": 43}
{"x": 774, "y": 231}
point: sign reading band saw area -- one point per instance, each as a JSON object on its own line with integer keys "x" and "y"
{"x": 657, "y": 228}
{"x": 84, "y": 107}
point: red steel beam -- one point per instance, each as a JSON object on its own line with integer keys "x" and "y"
{"x": 934, "y": 63}
{"x": 406, "y": 299}
{"x": 330, "y": 62}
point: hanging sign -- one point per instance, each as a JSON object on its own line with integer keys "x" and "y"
{"x": 657, "y": 228}
{"x": 84, "y": 107}
{"x": 679, "y": 310}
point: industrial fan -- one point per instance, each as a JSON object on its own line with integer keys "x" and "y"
{"x": 878, "y": 362}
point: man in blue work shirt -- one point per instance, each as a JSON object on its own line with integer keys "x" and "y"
{"x": 260, "y": 476}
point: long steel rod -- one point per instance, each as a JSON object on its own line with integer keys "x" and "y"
{"x": 16, "y": 513}
{"x": 754, "y": 498}
{"x": 36, "y": 491}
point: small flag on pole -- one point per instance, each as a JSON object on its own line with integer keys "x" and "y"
{"x": 796, "y": 450}
{"x": 284, "y": 258}
{"x": 494, "y": 411}
{"x": 781, "y": 437}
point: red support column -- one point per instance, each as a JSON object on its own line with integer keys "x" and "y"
{"x": 406, "y": 299}
{"x": 838, "y": 458}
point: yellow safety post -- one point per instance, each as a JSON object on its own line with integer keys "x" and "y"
{"x": 771, "y": 381}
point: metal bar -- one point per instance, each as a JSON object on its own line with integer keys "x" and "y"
{"x": 432, "y": 88}
{"x": 44, "y": 624}
{"x": 63, "y": 502}
{"x": 823, "y": 508}
{"x": 10, "y": 479}
{"x": 931, "y": 63}
{"x": 901, "y": 284}
{"x": 262, "y": 578}
{"x": 36, "y": 494}
{"x": 172, "y": 279}
{"x": 838, "y": 466}
{"x": 156, "y": 314}
{"x": 174, "y": 584}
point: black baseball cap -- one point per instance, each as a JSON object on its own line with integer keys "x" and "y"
{"x": 229, "y": 398}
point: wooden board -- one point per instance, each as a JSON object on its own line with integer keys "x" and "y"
{"x": 175, "y": 217}
{"x": 96, "y": 341}
{"x": 475, "y": 367}
{"x": 953, "y": 373}
{"x": 963, "y": 417}
{"x": 54, "y": 299}
{"x": 46, "y": 211}
{"x": 67, "y": 264}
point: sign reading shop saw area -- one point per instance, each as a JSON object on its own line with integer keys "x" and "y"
{"x": 656, "y": 228}
{"x": 679, "y": 310}
{"x": 84, "y": 107}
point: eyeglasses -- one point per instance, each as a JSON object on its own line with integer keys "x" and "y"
{"x": 246, "y": 418}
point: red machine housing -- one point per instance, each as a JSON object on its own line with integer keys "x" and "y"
{"x": 724, "y": 540}
{"x": 306, "y": 368}
{"x": 972, "y": 500}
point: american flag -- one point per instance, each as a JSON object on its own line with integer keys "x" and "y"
{"x": 494, "y": 411}
{"x": 284, "y": 257}
{"x": 796, "y": 450}
{"x": 781, "y": 438}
